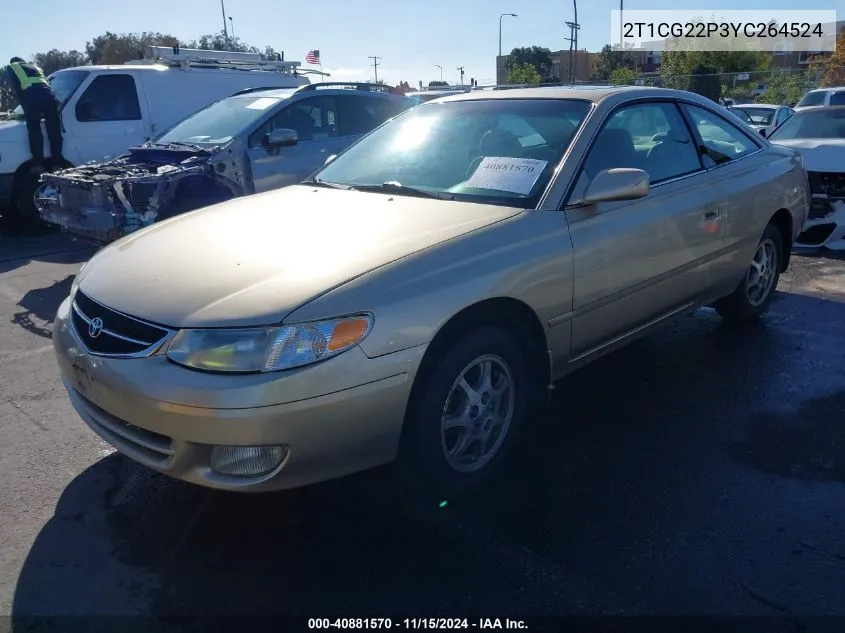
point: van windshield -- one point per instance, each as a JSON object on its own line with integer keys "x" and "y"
{"x": 64, "y": 83}
{"x": 220, "y": 122}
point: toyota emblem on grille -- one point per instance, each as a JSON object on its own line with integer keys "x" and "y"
{"x": 95, "y": 327}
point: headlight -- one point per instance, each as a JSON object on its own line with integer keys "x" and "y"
{"x": 250, "y": 350}
{"x": 75, "y": 283}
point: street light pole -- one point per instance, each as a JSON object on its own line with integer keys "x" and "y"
{"x": 225, "y": 28}
{"x": 441, "y": 71}
{"x": 461, "y": 68}
{"x": 512, "y": 15}
{"x": 232, "y": 23}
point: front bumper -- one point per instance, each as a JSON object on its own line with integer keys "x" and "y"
{"x": 335, "y": 418}
{"x": 100, "y": 225}
{"x": 824, "y": 230}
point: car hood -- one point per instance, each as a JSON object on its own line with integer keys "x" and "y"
{"x": 253, "y": 260}
{"x": 826, "y": 155}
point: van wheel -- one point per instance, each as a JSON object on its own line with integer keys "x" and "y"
{"x": 465, "y": 414}
{"x": 26, "y": 184}
{"x": 754, "y": 293}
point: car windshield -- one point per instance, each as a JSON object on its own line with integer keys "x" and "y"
{"x": 759, "y": 116}
{"x": 815, "y": 97}
{"x": 824, "y": 123}
{"x": 64, "y": 83}
{"x": 220, "y": 122}
{"x": 497, "y": 151}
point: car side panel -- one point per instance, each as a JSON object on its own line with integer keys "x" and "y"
{"x": 757, "y": 187}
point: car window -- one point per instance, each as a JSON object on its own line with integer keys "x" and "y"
{"x": 65, "y": 82}
{"x": 649, "y": 136}
{"x": 783, "y": 115}
{"x": 109, "y": 98}
{"x": 360, "y": 114}
{"x": 313, "y": 119}
{"x": 722, "y": 140}
{"x": 760, "y": 116}
{"x": 813, "y": 98}
{"x": 823, "y": 123}
{"x": 470, "y": 150}
{"x": 837, "y": 99}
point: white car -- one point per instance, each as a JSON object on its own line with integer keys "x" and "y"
{"x": 765, "y": 117}
{"x": 818, "y": 134}
{"x": 822, "y": 97}
{"x": 107, "y": 109}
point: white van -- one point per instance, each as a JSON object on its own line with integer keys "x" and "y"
{"x": 108, "y": 109}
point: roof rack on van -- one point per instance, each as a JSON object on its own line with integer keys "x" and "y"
{"x": 197, "y": 58}
{"x": 246, "y": 91}
{"x": 348, "y": 85}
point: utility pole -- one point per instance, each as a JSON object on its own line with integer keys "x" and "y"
{"x": 375, "y": 66}
{"x": 441, "y": 71}
{"x": 461, "y": 68}
{"x": 225, "y": 28}
{"x": 573, "y": 42}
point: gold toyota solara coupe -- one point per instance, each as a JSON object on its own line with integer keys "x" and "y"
{"x": 414, "y": 300}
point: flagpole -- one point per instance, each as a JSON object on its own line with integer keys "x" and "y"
{"x": 322, "y": 79}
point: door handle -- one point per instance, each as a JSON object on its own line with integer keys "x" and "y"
{"x": 712, "y": 215}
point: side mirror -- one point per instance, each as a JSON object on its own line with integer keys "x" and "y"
{"x": 763, "y": 132}
{"x": 330, "y": 159}
{"x": 616, "y": 185}
{"x": 281, "y": 137}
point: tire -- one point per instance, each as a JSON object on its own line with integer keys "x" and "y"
{"x": 432, "y": 461}
{"x": 750, "y": 300}
{"x": 26, "y": 184}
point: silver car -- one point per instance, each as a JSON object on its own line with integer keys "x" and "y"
{"x": 257, "y": 140}
{"x": 416, "y": 298}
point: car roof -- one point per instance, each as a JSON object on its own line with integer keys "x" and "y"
{"x": 584, "y": 93}
{"x": 308, "y": 89}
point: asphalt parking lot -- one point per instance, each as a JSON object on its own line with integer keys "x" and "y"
{"x": 699, "y": 471}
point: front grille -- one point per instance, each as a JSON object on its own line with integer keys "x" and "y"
{"x": 110, "y": 333}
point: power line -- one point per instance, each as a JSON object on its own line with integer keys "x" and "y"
{"x": 375, "y": 65}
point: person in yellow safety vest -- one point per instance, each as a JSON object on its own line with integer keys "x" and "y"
{"x": 37, "y": 100}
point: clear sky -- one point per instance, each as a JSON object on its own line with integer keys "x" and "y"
{"x": 411, "y": 37}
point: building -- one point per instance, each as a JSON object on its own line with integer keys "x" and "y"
{"x": 583, "y": 64}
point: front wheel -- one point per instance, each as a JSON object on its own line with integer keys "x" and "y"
{"x": 754, "y": 293}
{"x": 465, "y": 415}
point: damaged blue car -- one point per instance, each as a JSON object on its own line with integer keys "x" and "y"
{"x": 254, "y": 141}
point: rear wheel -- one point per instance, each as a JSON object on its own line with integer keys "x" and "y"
{"x": 754, "y": 293}
{"x": 466, "y": 414}
{"x": 26, "y": 184}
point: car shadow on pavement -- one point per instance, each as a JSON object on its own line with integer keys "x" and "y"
{"x": 42, "y": 304}
{"x": 21, "y": 246}
{"x": 627, "y": 496}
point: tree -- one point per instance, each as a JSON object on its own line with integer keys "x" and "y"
{"x": 831, "y": 68}
{"x": 609, "y": 59}
{"x": 54, "y": 60}
{"x": 524, "y": 73}
{"x": 113, "y": 48}
{"x": 220, "y": 42}
{"x": 784, "y": 87}
{"x": 437, "y": 84}
{"x": 538, "y": 57}
{"x": 623, "y": 76}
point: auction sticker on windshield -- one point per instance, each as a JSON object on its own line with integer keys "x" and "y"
{"x": 502, "y": 173}
{"x": 262, "y": 104}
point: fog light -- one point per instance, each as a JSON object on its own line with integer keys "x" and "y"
{"x": 246, "y": 461}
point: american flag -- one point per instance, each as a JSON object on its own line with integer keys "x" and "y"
{"x": 313, "y": 57}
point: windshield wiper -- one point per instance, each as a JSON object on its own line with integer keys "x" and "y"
{"x": 326, "y": 183}
{"x": 393, "y": 186}
{"x": 190, "y": 146}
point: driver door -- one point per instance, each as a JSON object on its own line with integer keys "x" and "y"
{"x": 638, "y": 261}
{"x": 315, "y": 121}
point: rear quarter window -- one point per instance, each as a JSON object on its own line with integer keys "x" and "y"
{"x": 837, "y": 98}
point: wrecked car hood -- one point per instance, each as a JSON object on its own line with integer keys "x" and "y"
{"x": 252, "y": 260}
{"x": 825, "y": 155}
